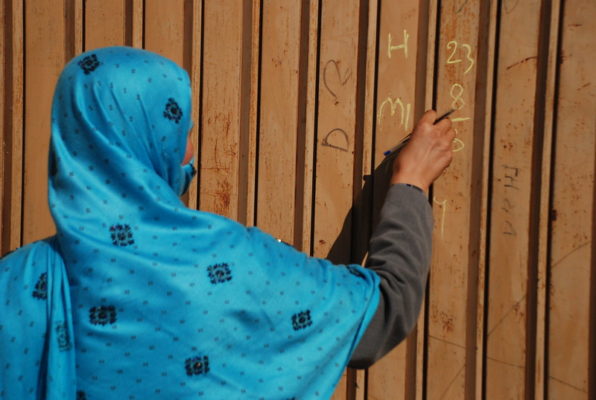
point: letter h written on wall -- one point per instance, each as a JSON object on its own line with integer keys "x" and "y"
{"x": 396, "y": 103}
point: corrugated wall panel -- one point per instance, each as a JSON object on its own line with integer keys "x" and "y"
{"x": 572, "y": 228}
{"x": 295, "y": 103}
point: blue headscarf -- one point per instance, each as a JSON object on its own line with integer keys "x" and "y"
{"x": 169, "y": 302}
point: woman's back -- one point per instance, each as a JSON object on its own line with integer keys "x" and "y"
{"x": 168, "y": 301}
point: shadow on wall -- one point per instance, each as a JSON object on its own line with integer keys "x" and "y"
{"x": 351, "y": 245}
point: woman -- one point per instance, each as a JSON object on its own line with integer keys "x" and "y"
{"x": 139, "y": 297}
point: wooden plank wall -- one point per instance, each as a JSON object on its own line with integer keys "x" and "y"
{"x": 295, "y": 102}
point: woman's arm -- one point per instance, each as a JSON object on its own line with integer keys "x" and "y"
{"x": 400, "y": 248}
{"x": 400, "y": 251}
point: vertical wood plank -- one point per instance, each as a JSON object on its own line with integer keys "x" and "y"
{"x": 425, "y": 61}
{"x": 220, "y": 113}
{"x": 166, "y": 29}
{"x": 395, "y": 101}
{"x": 571, "y": 258}
{"x": 507, "y": 355}
{"x": 487, "y": 39}
{"x": 305, "y": 244}
{"x": 12, "y": 123}
{"x": 169, "y": 30}
{"x": 249, "y": 111}
{"x": 44, "y": 61}
{"x": 194, "y": 12}
{"x": 362, "y": 191}
{"x": 278, "y": 130}
{"x": 550, "y": 92}
{"x": 135, "y": 16}
{"x": 5, "y": 100}
{"x": 457, "y": 198}
{"x": 336, "y": 125}
{"x": 105, "y": 23}
{"x": 363, "y": 172}
{"x": 75, "y": 43}
{"x": 423, "y": 103}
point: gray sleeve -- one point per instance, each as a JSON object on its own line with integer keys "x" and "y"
{"x": 400, "y": 251}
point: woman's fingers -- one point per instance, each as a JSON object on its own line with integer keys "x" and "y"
{"x": 444, "y": 125}
{"x": 428, "y": 154}
{"x": 429, "y": 117}
{"x": 426, "y": 124}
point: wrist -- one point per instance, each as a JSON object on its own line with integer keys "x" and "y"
{"x": 410, "y": 181}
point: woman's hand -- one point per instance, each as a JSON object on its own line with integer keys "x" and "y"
{"x": 427, "y": 154}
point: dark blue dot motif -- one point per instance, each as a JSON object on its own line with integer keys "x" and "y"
{"x": 355, "y": 271}
{"x": 62, "y": 336}
{"x": 219, "y": 273}
{"x": 121, "y": 235}
{"x": 89, "y": 63}
{"x": 301, "y": 320}
{"x": 81, "y": 395}
{"x": 102, "y": 315}
{"x": 172, "y": 111}
{"x": 196, "y": 365}
{"x": 41, "y": 287}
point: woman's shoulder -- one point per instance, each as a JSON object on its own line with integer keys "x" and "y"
{"x": 25, "y": 274}
{"x": 39, "y": 250}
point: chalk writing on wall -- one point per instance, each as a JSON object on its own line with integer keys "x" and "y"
{"x": 458, "y": 144}
{"x": 456, "y": 92}
{"x": 403, "y": 46}
{"x": 336, "y": 139}
{"x": 454, "y": 58}
{"x": 443, "y": 205}
{"x": 404, "y": 108}
{"x": 335, "y": 77}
